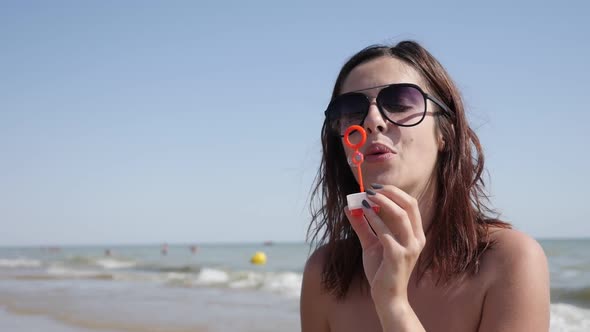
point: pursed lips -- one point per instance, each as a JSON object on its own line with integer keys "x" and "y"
{"x": 377, "y": 152}
{"x": 377, "y": 148}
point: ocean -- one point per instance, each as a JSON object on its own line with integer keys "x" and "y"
{"x": 205, "y": 288}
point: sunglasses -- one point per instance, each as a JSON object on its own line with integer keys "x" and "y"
{"x": 403, "y": 104}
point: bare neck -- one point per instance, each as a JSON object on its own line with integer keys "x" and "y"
{"x": 426, "y": 203}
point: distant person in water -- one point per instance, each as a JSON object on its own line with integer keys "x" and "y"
{"x": 164, "y": 249}
{"x": 107, "y": 252}
{"x": 194, "y": 249}
{"x": 434, "y": 257}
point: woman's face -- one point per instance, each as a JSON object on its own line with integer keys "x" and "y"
{"x": 401, "y": 156}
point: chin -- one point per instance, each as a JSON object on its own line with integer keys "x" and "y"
{"x": 386, "y": 179}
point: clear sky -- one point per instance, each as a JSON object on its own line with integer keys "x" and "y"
{"x": 199, "y": 121}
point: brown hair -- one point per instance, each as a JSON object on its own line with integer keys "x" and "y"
{"x": 458, "y": 235}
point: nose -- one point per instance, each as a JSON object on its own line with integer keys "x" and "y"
{"x": 374, "y": 121}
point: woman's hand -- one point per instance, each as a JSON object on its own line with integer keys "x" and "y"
{"x": 391, "y": 251}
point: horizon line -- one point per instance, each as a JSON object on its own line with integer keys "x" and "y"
{"x": 197, "y": 243}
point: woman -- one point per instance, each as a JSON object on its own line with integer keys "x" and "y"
{"x": 433, "y": 258}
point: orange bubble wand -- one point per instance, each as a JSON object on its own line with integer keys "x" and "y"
{"x": 354, "y": 201}
{"x": 357, "y": 156}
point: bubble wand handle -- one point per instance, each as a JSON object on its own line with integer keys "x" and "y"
{"x": 357, "y": 156}
{"x": 358, "y": 168}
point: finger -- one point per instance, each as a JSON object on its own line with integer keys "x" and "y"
{"x": 407, "y": 203}
{"x": 393, "y": 217}
{"x": 362, "y": 229}
{"x": 383, "y": 233}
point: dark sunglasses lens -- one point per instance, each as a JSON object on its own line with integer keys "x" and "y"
{"x": 347, "y": 110}
{"x": 403, "y": 105}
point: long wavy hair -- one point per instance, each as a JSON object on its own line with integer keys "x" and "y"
{"x": 459, "y": 233}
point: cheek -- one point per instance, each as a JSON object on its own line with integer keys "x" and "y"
{"x": 420, "y": 144}
{"x": 348, "y": 152}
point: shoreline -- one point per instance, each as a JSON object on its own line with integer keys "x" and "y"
{"x": 13, "y": 321}
{"x": 25, "y": 320}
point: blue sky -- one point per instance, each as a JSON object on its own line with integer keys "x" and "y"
{"x": 178, "y": 121}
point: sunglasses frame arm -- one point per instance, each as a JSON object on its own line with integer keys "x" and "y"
{"x": 439, "y": 103}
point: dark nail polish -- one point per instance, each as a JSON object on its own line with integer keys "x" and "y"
{"x": 370, "y": 192}
{"x": 376, "y": 186}
{"x": 366, "y": 204}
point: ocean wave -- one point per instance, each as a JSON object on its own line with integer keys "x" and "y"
{"x": 80, "y": 260}
{"x": 570, "y": 273}
{"x": 58, "y": 272}
{"x": 569, "y": 318}
{"x": 246, "y": 279}
{"x": 284, "y": 283}
{"x": 118, "y": 269}
{"x": 579, "y": 296}
{"x": 208, "y": 277}
{"x": 19, "y": 262}
{"x": 169, "y": 269}
{"x": 176, "y": 279}
{"x": 112, "y": 264}
{"x": 287, "y": 283}
{"x": 107, "y": 263}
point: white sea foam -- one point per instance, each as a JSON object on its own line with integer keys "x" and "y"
{"x": 247, "y": 280}
{"x": 209, "y": 276}
{"x": 19, "y": 262}
{"x": 112, "y": 264}
{"x": 63, "y": 272}
{"x": 137, "y": 277}
{"x": 176, "y": 276}
{"x": 570, "y": 274}
{"x": 287, "y": 283}
{"x": 569, "y": 318}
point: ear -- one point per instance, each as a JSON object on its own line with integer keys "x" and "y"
{"x": 441, "y": 142}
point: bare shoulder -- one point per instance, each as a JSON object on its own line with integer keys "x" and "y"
{"x": 517, "y": 294}
{"x": 513, "y": 254}
{"x": 314, "y": 301}
{"x": 312, "y": 273}
{"x": 315, "y": 263}
{"x": 512, "y": 249}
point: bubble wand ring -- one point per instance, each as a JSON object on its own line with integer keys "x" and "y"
{"x": 357, "y": 156}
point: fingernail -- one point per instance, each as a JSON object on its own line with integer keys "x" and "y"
{"x": 370, "y": 192}
{"x": 366, "y": 204}
{"x": 376, "y": 186}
